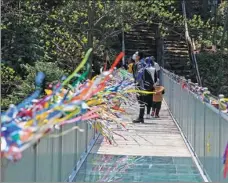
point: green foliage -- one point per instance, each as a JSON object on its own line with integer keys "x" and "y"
{"x": 213, "y": 68}
{"x": 58, "y": 32}
{"x": 52, "y": 36}
{"x": 222, "y": 11}
{"x": 9, "y": 82}
{"x": 8, "y": 75}
{"x": 23, "y": 88}
{"x": 51, "y": 69}
{"x": 210, "y": 31}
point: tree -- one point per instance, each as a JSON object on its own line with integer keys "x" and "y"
{"x": 225, "y": 20}
{"x": 42, "y": 31}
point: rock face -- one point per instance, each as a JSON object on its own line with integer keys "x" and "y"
{"x": 141, "y": 38}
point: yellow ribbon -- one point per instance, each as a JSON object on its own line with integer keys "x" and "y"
{"x": 139, "y": 91}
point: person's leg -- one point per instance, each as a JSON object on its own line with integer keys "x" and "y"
{"x": 153, "y": 108}
{"x": 138, "y": 98}
{"x": 148, "y": 103}
{"x": 141, "y": 101}
{"x": 142, "y": 106}
{"x": 158, "y": 108}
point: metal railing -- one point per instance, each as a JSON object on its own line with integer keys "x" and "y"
{"x": 204, "y": 126}
{"x": 52, "y": 159}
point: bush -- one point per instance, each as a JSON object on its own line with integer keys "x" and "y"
{"x": 22, "y": 88}
{"x": 9, "y": 82}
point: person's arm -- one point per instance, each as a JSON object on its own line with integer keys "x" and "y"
{"x": 134, "y": 67}
{"x": 148, "y": 80}
{"x": 158, "y": 74}
{"x": 157, "y": 67}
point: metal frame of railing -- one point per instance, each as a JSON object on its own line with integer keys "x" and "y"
{"x": 204, "y": 126}
{"x": 52, "y": 159}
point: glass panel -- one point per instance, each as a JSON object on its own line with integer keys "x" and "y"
{"x": 200, "y": 126}
{"x": 68, "y": 152}
{"x": 212, "y": 157}
{"x": 90, "y": 133}
{"x": 56, "y": 157}
{"x": 44, "y": 160}
{"x": 21, "y": 171}
{"x": 224, "y": 141}
{"x": 81, "y": 140}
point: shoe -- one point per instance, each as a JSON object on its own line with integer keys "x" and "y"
{"x": 157, "y": 116}
{"x": 138, "y": 120}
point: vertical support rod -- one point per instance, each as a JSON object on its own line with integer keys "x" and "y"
{"x": 86, "y": 138}
{"x": 60, "y": 155}
{"x": 194, "y": 131}
{"x": 204, "y": 133}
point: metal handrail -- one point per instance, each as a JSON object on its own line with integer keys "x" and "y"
{"x": 202, "y": 92}
{"x": 52, "y": 159}
{"x": 203, "y": 124}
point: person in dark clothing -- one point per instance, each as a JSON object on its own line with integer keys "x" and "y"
{"x": 149, "y": 97}
{"x": 125, "y": 65}
{"x": 144, "y": 81}
{"x": 122, "y": 65}
{"x": 138, "y": 67}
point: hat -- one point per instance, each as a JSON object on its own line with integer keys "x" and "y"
{"x": 148, "y": 60}
{"x": 135, "y": 54}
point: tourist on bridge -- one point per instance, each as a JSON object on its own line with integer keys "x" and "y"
{"x": 157, "y": 100}
{"x": 138, "y": 67}
{"x": 144, "y": 81}
{"x": 149, "y": 97}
